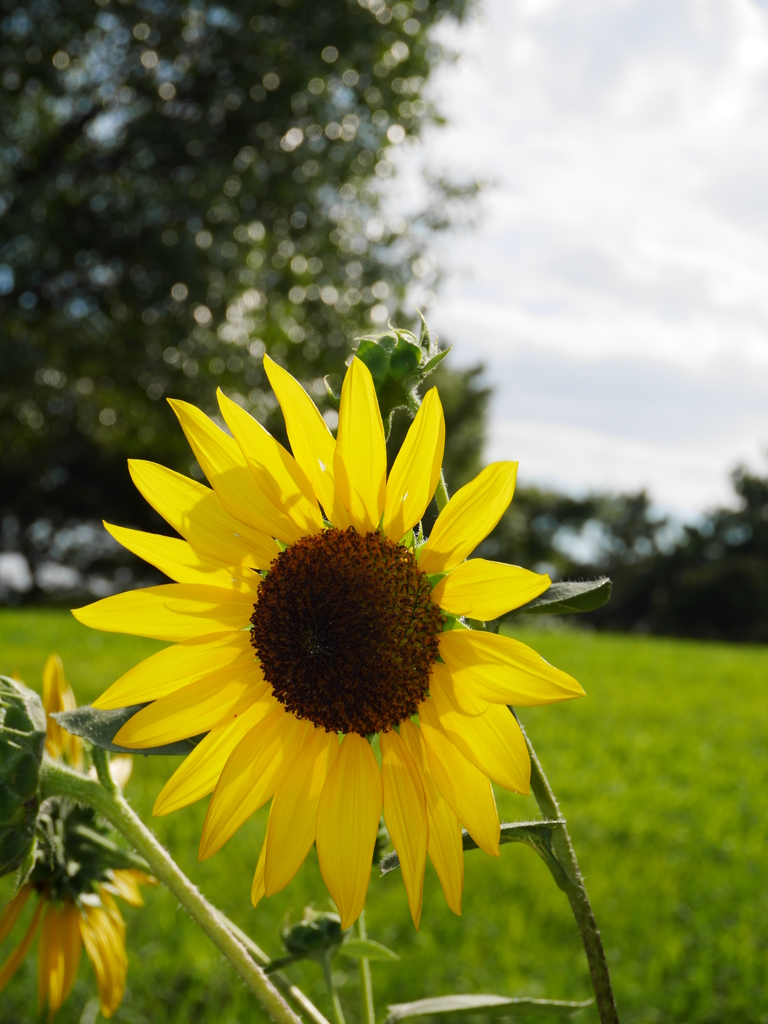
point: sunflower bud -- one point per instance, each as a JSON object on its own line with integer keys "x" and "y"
{"x": 22, "y": 741}
{"x": 398, "y": 362}
{"x": 317, "y": 932}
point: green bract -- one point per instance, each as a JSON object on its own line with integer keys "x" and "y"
{"x": 399, "y": 363}
{"x": 22, "y": 742}
{"x": 317, "y": 932}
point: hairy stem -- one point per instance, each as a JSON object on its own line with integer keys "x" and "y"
{"x": 58, "y": 780}
{"x": 338, "y": 1013}
{"x": 368, "y": 1010}
{"x": 575, "y": 890}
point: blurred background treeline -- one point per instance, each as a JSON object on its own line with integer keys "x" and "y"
{"x": 184, "y": 186}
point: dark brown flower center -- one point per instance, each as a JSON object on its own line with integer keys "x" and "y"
{"x": 346, "y": 631}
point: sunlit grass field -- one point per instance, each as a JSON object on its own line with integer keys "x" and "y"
{"x": 662, "y": 772}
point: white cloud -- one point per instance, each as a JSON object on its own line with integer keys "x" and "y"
{"x": 628, "y": 225}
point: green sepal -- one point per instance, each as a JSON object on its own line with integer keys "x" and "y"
{"x": 22, "y": 744}
{"x": 566, "y": 598}
{"x": 100, "y": 728}
{"x": 317, "y": 932}
{"x": 485, "y": 1005}
{"x": 398, "y": 362}
{"x": 366, "y": 949}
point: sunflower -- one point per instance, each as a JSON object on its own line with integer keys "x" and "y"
{"x": 308, "y": 618}
{"x": 77, "y": 874}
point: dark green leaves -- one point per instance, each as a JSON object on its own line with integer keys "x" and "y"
{"x": 100, "y": 727}
{"x": 22, "y": 742}
{"x": 492, "y": 1006}
{"x": 565, "y": 598}
{"x": 367, "y": 949}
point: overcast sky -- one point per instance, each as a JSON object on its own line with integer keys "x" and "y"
{"x": 618, "y": 279}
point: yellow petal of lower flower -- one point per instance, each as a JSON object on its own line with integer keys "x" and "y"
{"x": 276, "y": 472}
{"x": 445, "y": 845}
{"x": 311, "y": 441}
{"x": 198, "y": 774}
{"x": 227, "y": 471}
{"x": 469, "y": 517}
{"x": 173, "y": 611}
{"x": 405, "y": 812}
{"x": 16, "y": 958}
{"x": 360, "y": 459}
{"x": 504, "y": 671}
{"x": 58, "y": 696}
{"x": 485, "y": 590}
{"x": 416, "y": 471}
{"x": 492, "y": 741}
{"x": 12, "y": 910}
{"x": 194, "y": 511}
{"x": 126, "y": 886}
{"x": 103, "y": 934}
{"x": 254, "y": 770}
{"x": 196, "y": 708}
{"x": 347, "y": 824}
{"x": 179, "y": 560}
{"x": 257, "y": 887}
{"x": 293, "y": 815}
{"x": 58, "y": 955}
{"x": 175, "y": 666}
{"x": 463, "y": 786}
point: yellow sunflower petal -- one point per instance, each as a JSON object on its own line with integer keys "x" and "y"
{"x": 227, "y": 471}
{"x": 12, "y": 910}
{"x": 198, "y": 774}
{"x": 469, "y": 517}
{"x": 360, "y": 459}
{"x": 254, "y": 770}
{"x": 173, "y": 611}
{"x": 196, "y": 708}
{"x": 103, "y": 933}
{"x": 194, "y": 511}
{"x": 461, "y": 698}
{"x": 347, "y": 824}
{"x": 416, "y": 471}
{"x": 58, "y": 696}
{"x": 445, "y": 846}
{"x": 504, "y": 671}
{"x": 175, "y": 666}
{"x": 126, "y": 886}
{"x": 257, "y": 887}
{"x": 492, "y": 741}
{"x": 121, "y": 769}
{"x": 179, "y": 560}
{"x": 16, "y": 958}
{"x": 485, "y": 590}
{"x": 58, "y": 955}
{"x": 293, "y": 815}
{"x": 463, "y": 786}
{"x": 405, "y": 812}
{"x": 312, "y": 443}
{"x": 276, "y": 472}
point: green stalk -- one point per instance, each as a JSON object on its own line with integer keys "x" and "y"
{"x": 575, "y": 890}
{"x": 338, "y": 1013}
{"x": 368, "y": 1010}
{"x": 58, "y": 780}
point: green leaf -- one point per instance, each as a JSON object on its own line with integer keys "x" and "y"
{"x": 493, "y": 1006}
{"x": 367, "y": 949}
{"x": 565, "y": 598}
{"x": 100, "y": 727}
{"x": 536, "y": 834}
{"x": 430, "y": 365}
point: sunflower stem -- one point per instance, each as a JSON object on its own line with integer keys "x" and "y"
{"x": 575, "y": 889}
{"x": 100, "y": 759}
{"x": 58, "y": 780}
{"x": 441, "y": 494}
{"x": 338, "y": 1013}
{"x": 367, "y": 1008}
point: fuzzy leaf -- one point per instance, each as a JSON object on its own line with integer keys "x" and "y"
{"x": 366, "y": 949}
{"x": 493, "y": 1006}
{"x": 100, "y": 727}
{"x": 565, "y": 598}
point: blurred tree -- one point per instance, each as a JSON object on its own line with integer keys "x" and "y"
{"x": 184, "y": 185}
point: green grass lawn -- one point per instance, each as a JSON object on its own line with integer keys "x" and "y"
{"x": 662, "y": 772}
